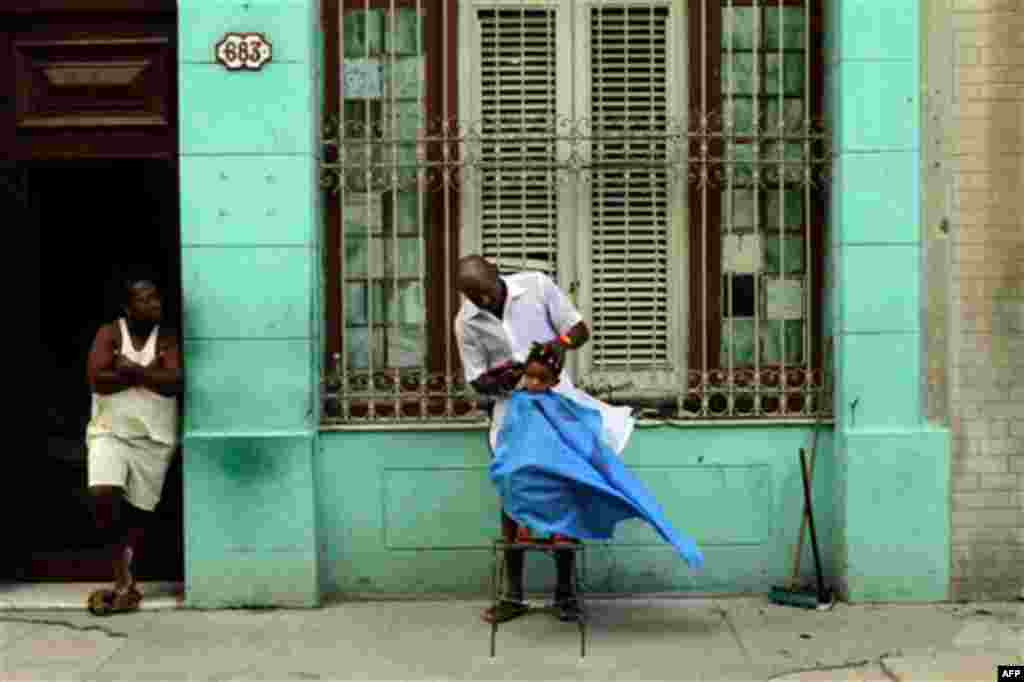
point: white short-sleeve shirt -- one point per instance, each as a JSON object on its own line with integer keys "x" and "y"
{"x": 536, "y": 311}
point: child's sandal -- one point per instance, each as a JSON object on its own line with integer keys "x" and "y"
{"x": 506, "y": 610}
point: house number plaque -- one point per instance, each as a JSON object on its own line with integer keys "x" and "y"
{"x": 243, "y": 51}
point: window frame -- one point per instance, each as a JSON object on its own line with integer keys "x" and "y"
{"x": 435, "y": 227}
{"x": 444, "y": 233}
{"x": 574, "y": 200}
{"x": 677, "y": 77}
{"x": 712, "y": 293}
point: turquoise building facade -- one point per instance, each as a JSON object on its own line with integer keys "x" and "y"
{"x": 282, "y": 511}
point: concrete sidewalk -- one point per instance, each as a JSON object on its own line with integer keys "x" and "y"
{"x": 629, "y": 639}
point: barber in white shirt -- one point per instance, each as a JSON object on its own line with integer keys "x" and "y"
{"x": 495, "y": 327}
{"x": 499, "y": 321}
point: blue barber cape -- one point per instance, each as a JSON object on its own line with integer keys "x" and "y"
{"x": 555, "y": 474}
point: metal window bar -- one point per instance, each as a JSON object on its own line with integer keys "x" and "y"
{"x": 631, "y": 159}
{"x": 728, "y": 307}
{"x": 392, "y": 298}
{"x": 782, "y": 180}
{"x": 703, "y": 134}
{"x": 599, "y": 208}
{"x": 822, "y": 403}
{"x": 371, "y": 251}
{"x": 756, "y": 154}
{"x": 446, "y": 132}
{"x": 421, "y": 187}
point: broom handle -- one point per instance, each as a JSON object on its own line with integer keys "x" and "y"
{"x": 803, "y": 517}
{"x": 798, "y": 553}
{"x": 814, "y": 538}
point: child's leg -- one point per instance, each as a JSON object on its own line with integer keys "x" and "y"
{"x": 564, "y": 563}
{"x": 565, "y": 592}
{"x": 513, "y": 559}
{"x": 511, "y": 604}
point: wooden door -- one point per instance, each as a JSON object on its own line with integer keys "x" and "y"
{"x": 88, "y": 79}
{"x": 88, "y": 128}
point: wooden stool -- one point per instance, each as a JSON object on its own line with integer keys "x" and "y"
{"x": 579, "y": 567}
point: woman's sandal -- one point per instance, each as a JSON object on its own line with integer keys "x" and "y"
{"x": 505, "y": 611}
{"x": 105, "y": 602}
{"x": 99, "y": 601}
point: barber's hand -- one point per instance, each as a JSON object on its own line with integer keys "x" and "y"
{"x": 500, "y": 379}
{"x": 506, "y": 376}
{"x": 510, "y": 377}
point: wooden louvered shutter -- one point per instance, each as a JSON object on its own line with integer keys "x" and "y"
{"x": 629, "y": 197}
{"x": 518, "y": 187}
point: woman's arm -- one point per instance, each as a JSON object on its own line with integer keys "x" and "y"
{"x": 106, "y": 375}
{"x": 165, "y": 376}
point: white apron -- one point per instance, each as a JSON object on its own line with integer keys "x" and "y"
{"x": 136, "y": 412}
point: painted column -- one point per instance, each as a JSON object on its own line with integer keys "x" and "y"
{"x": 248, "y": 192}
{"x": 893, "y": 469}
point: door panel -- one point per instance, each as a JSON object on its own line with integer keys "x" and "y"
{"x": 89, "y": 85}
{"x": 88, "y": 90}
{"x": 7, "y": 99}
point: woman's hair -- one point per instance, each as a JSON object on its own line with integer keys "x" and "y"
{"x": 550, "y": 356}
{"x": 132, "y": 277}
{"x": 130, "y": 285}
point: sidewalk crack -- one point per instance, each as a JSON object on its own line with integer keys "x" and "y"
{"x": 64, "y": 624}
{"x": 885, "y": 669}
{"x": 735, "y": 633}
{"x": 849, "y": 665}
{"x": 821, "y": 668}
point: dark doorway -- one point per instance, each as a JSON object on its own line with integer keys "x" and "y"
{"x": 97, "y": 222}
{"x": 89, "y": 148}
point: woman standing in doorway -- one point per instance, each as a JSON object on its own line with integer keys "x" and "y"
{"x": 135, "y": 372}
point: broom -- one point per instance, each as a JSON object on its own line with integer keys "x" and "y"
{"x": 795, "y": 593}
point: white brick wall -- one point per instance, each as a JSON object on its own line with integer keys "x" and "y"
{"x": 984, "y": 148}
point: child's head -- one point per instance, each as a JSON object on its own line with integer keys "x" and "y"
{"x": 543, "y": 368}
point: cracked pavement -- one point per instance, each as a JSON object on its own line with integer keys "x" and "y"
{"x": 628, "y": 639}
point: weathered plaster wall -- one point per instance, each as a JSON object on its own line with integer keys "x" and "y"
{"x": 982, "y": 158}
{"x": 249, "y": 261}
{"x": 414, "y": 512}
{"x": 891, "y": 464}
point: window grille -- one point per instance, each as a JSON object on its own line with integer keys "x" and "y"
{"x": 664, "y": 161}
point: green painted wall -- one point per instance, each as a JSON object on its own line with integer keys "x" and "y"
{"x": 891, "y": 465}
{"x": 414, "y": 512}
{"x": 279, "y": 514}
{"x": 249, "y": 268}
